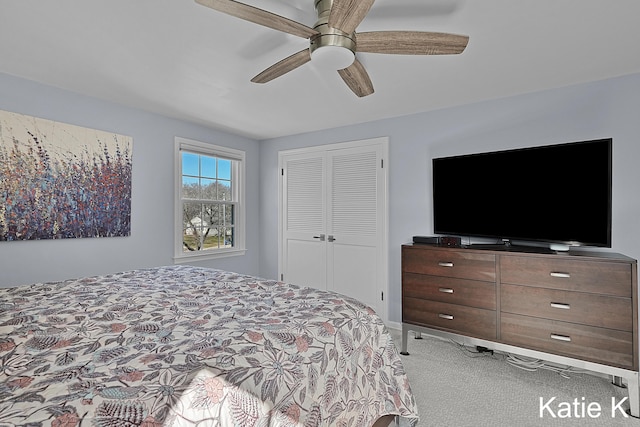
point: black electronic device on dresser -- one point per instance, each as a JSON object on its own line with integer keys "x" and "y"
{"x": 438, "y": 240}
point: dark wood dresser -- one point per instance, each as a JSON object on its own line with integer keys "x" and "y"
{"x": 577, "y": 308}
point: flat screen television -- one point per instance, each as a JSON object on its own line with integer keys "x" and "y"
{"x": 555, "y": 194}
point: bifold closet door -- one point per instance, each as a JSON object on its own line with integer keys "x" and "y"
{"x": 333, "y": 220}
{"x": 304, "y": 217}
{"x": 354, "y": 205}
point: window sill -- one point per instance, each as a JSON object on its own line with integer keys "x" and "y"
{"x": 178, "y": 259}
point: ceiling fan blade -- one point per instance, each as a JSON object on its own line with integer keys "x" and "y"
{"x": 410, "y": 9}
{"x": 282, "y": 67}
{"x": 346, "y": 15}
{"x": 356, "y": 77}
{"x": 411, "y": 42}
{"x": 259, "y": 16}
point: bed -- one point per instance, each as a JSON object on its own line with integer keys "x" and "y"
{"x": 190, "y": 346}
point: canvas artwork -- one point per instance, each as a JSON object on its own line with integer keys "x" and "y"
{"x": 60, "y": 181}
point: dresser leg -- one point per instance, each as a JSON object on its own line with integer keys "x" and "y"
{"x": 405, "y": 337}
{"x": 633, "y": 386}
{"x": 617, "y": 381}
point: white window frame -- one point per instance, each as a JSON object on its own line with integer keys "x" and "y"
{"x": 238, "y": 182}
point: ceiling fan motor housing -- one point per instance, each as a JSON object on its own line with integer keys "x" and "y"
{"x": 334, "y": 47}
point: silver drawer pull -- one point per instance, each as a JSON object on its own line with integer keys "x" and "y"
{"x": 560, "y": 337}
{"x": 559, "y": 274}
{"x": 445, "y": 290}
{"x": 445, "y": 264}
{"x": 445, "y": 316}
{"x": 560, "y": 305}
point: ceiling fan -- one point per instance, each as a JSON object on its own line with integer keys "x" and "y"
{"x": 334, "y": 41}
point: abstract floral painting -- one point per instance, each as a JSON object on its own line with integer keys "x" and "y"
{"x": 60, "y": 181}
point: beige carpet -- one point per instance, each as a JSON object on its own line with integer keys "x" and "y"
{"x": 455, "y": 386}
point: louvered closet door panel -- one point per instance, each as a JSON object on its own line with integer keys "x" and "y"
{"x": 304, "y": 189}
{"x": 353, "y": 204}
{"x": 353, "y": 208}
{"x": 305, "y": 195}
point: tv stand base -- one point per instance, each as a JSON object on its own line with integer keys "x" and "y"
{"x": 619, "y": 375}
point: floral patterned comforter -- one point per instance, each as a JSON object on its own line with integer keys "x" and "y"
{"x": 186, "y": 346}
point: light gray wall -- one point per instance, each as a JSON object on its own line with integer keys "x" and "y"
{"x": 151, "y": 240}
{"x": 608, "y": 108}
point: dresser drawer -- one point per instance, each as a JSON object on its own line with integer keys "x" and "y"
{"x": 472, "y": 293}
{"x": 576, "y": 307}
{"x": 471, "y": 321}
{"x": 449, "y": 263}
{"x": 600, "y": 345}
{"x": 560, "y": 273}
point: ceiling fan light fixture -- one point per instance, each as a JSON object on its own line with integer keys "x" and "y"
{"x": 332, "y": 49}
{"x": 332, "y": 57}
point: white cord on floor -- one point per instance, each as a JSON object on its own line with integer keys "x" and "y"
{"x": 521, "y": 362}
{"x": 531, "y": 364}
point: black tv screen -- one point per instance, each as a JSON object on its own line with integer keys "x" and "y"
{"x": 557, "y": 194}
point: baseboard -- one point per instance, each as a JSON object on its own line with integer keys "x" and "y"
{"x": 394, "y": 325}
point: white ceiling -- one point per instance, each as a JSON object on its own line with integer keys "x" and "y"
{"x": 183, "y": 60}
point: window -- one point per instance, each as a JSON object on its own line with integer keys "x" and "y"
{"x": 209, "y": 201}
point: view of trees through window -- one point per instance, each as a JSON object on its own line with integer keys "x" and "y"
{"x": 208, "y": 203}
